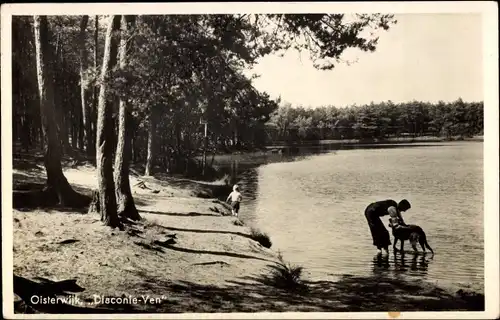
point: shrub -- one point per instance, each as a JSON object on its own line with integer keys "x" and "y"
{"x": 286, "y": 276}
{"x": 261, "y": 238}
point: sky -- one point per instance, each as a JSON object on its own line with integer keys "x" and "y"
{"x": 425, "y": 57}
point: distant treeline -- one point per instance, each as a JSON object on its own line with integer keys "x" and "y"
{"x": 376, "y": 121}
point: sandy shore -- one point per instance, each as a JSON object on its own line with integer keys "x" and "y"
{"x": 187, "y": 255}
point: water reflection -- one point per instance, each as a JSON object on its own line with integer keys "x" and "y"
{"x": 318, "y": 148}
{"x": 239, "y": 164}
{"x": 235, "y": 164}
{"x": 380, "y": 264}
{"x": 417, "y": 262}
{"x": 412, "y": 263}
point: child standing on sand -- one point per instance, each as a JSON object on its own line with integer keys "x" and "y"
{"x": 236, "y": 198}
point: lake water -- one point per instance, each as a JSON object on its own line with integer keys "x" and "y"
{"x": 312, "y": 206}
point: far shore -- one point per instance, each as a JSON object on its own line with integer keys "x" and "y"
{"x": 378, "y": 141}
{"x": 279, "y": 145}
{"x": 189, "y": 254}
{"x": 249, "y": 155}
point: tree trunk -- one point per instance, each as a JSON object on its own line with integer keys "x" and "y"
{"x": 83, "y": 92}
{"x": 23, "y": 128}
{"x": 56, "y": 181}
{"x": 59, "y": 105}
{"x": 73, "y": 131}
{"x": 81, "y": 134}
{"x": 151, "y": 142}
{"x": 105, "y": 132}
{"x": 126, "y": 205}
{"x": 133, "y": 153}
{"x": 61, "y": 124}
{"x": 92, "y": 112}
{"x": 40, "y": 134}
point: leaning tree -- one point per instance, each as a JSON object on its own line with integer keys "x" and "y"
{"x": 56, "y": 181}
{"x": 107, "y": 204}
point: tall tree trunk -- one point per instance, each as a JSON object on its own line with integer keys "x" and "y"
{"x": 105, "y": 132}
{"x": 151, "y": 142}
{"x": 59, "y": 104}
{"x": 40, "y": 134}
{"x": 56, "y": 180}
{"x": 93, "y": 111}
{"x": 126, "y": 205}
{"x": 236, "y": 136}
{"x": 81, "y": 135}
{"x": 178, "y": 138}
{"x": 133, "y": 153}
{"x": 24, "y": 127}
{"x": 83, "y": 92}
{"x": 73, "y": 130}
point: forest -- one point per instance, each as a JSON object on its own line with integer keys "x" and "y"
{"x": 160, "y": 90}
{"x": 379, "y": 121}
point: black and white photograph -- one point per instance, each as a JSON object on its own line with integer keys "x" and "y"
{"x": 250, "y": 160}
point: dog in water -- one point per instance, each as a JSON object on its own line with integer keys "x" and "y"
{"x": 414, "y": 234}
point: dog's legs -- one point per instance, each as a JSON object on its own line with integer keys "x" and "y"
{"x": 422, "y": 244}
{"x": 414, "y": 245}
{"x": 394, "y": 245}
{"x": 402, "y": 246}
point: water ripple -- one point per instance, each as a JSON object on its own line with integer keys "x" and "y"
{"x": 313, "y": 210}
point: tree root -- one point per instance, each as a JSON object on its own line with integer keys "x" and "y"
{"x": 94, "y": 206}
{"x": 131, "y": 213}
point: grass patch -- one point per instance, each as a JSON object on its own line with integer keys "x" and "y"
{"x": 261, "y": 238}
{"x": 152, "y": 225}
{"x": 238, "y": 222}
{"x": 474, "y": 300}
{"x": 286, "y": 276}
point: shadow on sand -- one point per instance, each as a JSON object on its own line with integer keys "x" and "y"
{"x": 159, "y": 247}
{"x": 235, "y": 233}
{"x": 29, "y": 193}
{"x": 254, "y": 294}
{"x": 175, "y": 214}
